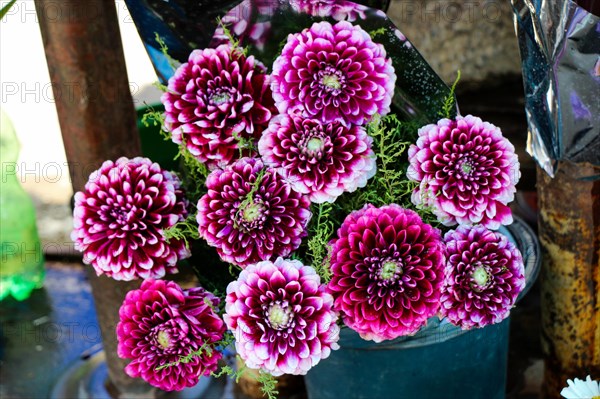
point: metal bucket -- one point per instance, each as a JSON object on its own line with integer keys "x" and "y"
{"x": 440, "y": 361}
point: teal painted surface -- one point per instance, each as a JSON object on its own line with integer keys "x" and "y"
{"x": 471, "y": 365}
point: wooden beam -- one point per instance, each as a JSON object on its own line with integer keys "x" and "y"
{"x": 98, "y": 122}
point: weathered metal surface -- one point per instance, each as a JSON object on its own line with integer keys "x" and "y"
{"x": 98, "y": 122}
{"x": 569, "y": 232}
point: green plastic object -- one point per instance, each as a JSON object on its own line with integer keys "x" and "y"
{"x": 21, "y": 256}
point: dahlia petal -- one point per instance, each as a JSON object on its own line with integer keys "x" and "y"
{"x": 343, "y": 162}
{"x": 277, "y": 308}
{"x": 121, "y": 235}
{"x": 245, "y": 231}
{"x": 467, "y": 172}
{"x": 325, "y": 59}
{"x": 153, "y": 322}
{"x": 482, "y": 284}
{"x": 384, "y": 281}
{"x": 214, "y": 96}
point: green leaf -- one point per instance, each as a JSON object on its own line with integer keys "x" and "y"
{"x": 450, "y": 100}
{"x": 321, "y": 230}
{"x": 165, "y": 50}
{"x": 269, "y": 385}
{"x": 186, "y": 230}
{"x": 235, "y": 43}
{"x": 5, "y": 9}
{"x": 377, "y": 32}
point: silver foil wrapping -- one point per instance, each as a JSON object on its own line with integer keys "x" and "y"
{"x": 560, "y": 53}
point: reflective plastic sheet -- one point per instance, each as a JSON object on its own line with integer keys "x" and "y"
{"x": 263, "y": 26}
{"x": 560, "y": 53}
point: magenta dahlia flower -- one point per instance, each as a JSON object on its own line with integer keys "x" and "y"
{"x": 281, "y": 316}
{"x": 120, "y": 217}
{"x": 484, "y": 275}
{"x": 333, "y": 73}
{"x": 467, "y": 172}
{"x": 163, "y": 328}
{"x": 322, "y": 160}
{"x": 216, "y": 98}
{"x": 337, "y": 9}
{"x": 387, "y": 268}
{"x": 251, "y": 214}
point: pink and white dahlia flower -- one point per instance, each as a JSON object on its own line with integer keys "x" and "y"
{"x": 337, "y": 9}
{"x": 467, "y": 172}
{"x": 120, "y": 217}
{"x": 333, "y": 73}
{"x": 251, "y": 214}
{"x": 159, "y": 325}
{"x": 216, "y": 98}
{"x": 387, "y": 268}
{"x": 322, "y": 160}
{"x": 484, "y": 275}
{"x": 281, "y": 316}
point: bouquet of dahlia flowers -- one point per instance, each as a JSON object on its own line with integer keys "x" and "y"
{"x": 336, "y": 186}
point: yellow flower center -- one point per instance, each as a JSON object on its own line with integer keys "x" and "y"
{"x": 220, "y": 98}
{"x": 279, "y": 316}
{"x": 315, "y": 144}
{"x": 252, "y": 212}
{"x": 480, "y": 276}
{"x": 164, "y": 340}
{"x": 331, "y": 81}
{"x": 388, "y": 270}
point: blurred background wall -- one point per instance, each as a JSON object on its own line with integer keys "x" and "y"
{"x": 475, "y": 36}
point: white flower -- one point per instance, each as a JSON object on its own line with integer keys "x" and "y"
{"x": 580, "y": 389}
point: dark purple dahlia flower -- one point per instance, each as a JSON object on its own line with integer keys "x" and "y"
{"x": 333, "y": 73}
{"x": 281, "y": 316}
{"x": 161, "y": 326}
{"x": 322, "y": 160}
{"x": 251, "y": 214}
{"x": 387, "y": 268}
{"x": 337, "y": 9}
{"x": 216, "y": 98}
{"x": 120, "y": 216}
{"x": 467, "y": 172}
{"x": 484, "y": 275}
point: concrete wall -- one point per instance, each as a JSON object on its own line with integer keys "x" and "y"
{"x": 475, "y": 36}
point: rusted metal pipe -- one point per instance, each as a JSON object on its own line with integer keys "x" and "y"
{"x": 569, "y": 232}
{"x": 98, "y": 122}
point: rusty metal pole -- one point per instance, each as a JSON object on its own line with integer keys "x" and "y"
{"x": 98, "y": 122}
{"x": 569, "y": 232}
